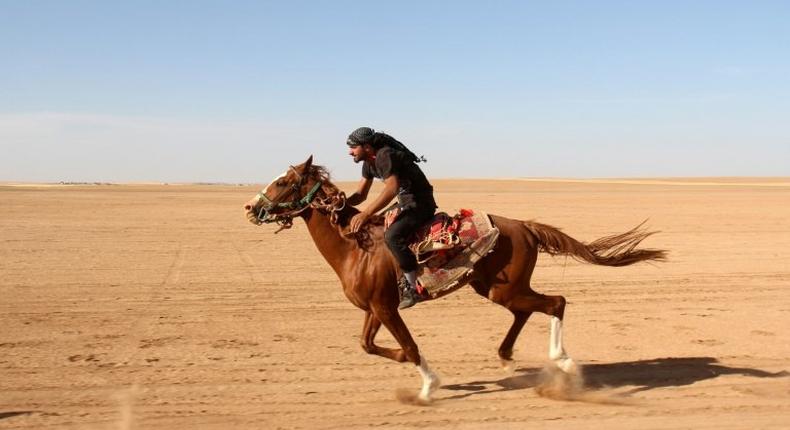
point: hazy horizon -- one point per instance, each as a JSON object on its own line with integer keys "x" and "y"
{"x": 234, "y": 93}
{"x": 751, "y": 181}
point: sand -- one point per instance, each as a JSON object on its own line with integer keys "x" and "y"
{"x": 161, "y": 307}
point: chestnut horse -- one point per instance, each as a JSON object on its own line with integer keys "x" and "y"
{"x": 369, "y": 273}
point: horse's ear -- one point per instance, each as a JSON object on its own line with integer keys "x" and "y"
{"x": 307, "y": 165}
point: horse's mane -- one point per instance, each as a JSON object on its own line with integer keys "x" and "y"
{"x": 320, "y": 173}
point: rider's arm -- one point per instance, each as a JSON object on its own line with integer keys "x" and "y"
{"x": 361, "y": 193}
{"x": 387, "y": 194}
{"x": 390, "y": 190}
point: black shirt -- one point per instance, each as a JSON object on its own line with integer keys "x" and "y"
{"x": 414, "y": 190}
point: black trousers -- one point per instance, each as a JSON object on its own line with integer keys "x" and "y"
{"x": 399, "y": 233}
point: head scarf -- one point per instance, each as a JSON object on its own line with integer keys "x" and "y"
{"x": 366, "y": 135}
{"x": 361, "y": 136}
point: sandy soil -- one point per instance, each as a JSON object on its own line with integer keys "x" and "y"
{"x": 160, "y": 307}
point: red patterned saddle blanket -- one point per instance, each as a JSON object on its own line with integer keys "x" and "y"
{"x": 448, "y": 246}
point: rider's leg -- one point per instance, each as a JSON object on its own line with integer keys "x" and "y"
{"x": 411, "y": 276}
{"x": 397, "y": 239}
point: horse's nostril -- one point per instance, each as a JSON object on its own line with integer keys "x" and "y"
{"x": 247, "y": 207}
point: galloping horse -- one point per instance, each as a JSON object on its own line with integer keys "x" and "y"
{"x": 369, "y": 273}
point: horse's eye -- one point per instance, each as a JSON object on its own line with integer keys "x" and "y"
{"x": 280, "y": 183}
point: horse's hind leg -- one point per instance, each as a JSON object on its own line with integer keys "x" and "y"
{"x": 506, "y": 348}
{"x": 554, "y": 306}
{"x": 369, "y": 331}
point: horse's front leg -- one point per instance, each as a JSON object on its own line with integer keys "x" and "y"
{"x": 369, "y": 330}
{"x": 394, "y": 323}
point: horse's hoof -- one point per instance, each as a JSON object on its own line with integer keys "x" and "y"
{"x": 567, "y": 365}
{"x": 509, "y": 366}
{"x": 409, "y": 397}
{"x": 427, "y": 389}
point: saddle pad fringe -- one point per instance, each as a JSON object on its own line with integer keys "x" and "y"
{"x": 445, "y": 278}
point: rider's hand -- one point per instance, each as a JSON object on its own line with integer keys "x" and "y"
{"x": 358, "y": 221}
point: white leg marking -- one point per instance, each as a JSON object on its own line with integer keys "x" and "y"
{"x": 430, "y": 382}
{"x": 556, "y": 351}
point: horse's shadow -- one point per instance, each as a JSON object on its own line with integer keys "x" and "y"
{"x": 644, "y": 375}
{"x": 4, "y": 415}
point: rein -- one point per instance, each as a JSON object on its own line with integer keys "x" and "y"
{"x": 333, "y": 204}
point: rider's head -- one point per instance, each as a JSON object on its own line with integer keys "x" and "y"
{"x": 362, "y": 143}
{"x": 361, "y": 136}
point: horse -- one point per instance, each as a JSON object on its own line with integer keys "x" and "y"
{"x": 368, "y": 272}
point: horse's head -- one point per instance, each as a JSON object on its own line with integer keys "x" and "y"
{"x": 286, "y": 196}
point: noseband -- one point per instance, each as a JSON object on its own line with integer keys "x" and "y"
{"x": 293, "y": 207}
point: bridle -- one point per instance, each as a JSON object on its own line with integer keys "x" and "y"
{"x": 293, "y": 207}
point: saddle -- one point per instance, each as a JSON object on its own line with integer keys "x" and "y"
{"x": 447, "y": 247}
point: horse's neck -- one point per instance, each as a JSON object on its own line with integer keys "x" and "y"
{"x": 329, "y": 240}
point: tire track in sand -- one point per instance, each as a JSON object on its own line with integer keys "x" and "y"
{"x": 174, "y": 272}
{"x": 249, "y": 264}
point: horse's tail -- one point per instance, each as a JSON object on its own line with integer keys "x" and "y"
{"x": 616, "y": 250}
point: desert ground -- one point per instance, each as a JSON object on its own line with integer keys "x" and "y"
{"x": 161, "y": 307}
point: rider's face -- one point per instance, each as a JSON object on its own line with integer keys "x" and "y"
{"x": 358, "y": 152}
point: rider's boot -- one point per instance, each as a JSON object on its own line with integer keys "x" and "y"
{"x": 408, "y": 290}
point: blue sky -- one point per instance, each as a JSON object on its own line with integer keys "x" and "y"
{"x": 183, "y": 91}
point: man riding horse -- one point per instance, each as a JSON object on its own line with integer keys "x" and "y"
{"x": 367, "y": 273}
{"x": 385, "y": 158}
